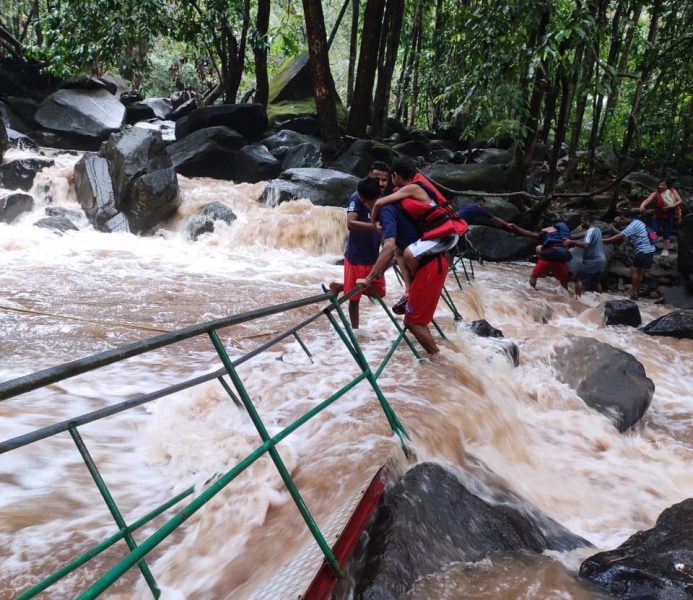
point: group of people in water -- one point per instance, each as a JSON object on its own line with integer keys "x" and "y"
{"x": 416, "y": 227}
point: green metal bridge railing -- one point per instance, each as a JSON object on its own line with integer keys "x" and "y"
{"x": 334, "y": 314}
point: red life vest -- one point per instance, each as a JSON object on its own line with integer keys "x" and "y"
{"x": 439, "y": 198}
{"x": 436, "y": 220}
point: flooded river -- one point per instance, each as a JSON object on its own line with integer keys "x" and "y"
{"x": 66, "y": 297}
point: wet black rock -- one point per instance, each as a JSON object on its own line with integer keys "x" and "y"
{"x": 684, "y": 233}
{"x": 60, "y": 211}
{"x": 288, "y": 138}
{"x": 94, "y": 190}
{"x": 499, "y": 245}
{"x": 93, "y": 114}
{"x": 13, "y": 205}
{"x": 679, "y": 296}
{"x": 20, "y": 141}
{"x": 183, "y": 110}
{"x": 301, "y": 156}
{"x": 430, "y": 519}
{"x": 203, "y": 221}
{"x": 250, "y": 120}
{"x": 151, "y": 108}
{"x": 25, "y": 108}
{"x": 206, "y": 152}
{"x": 19, "y": 174}
{"x": 57, "y": 224}
{"x": 144, "y": 181}
{"x": 678, "y": 324}
{"x": 606, "y": 378}
{"x": 4, "y": 140}
{"x": 360, "y": 156}
{"x": 484, "y": 329}
{"x": 656, "y": 564}
{"x": 413, "y": 148}
{"x": 622, "y": 312}
{"x": 487, "y": 178}
{"x": 324, "y": 187}
{"x": 254, "y": 163}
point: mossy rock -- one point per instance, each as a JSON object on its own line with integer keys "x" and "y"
{"x": 496, "y": 134}
{"x": 291, "y": 109}
{"x": 292, "y": 81}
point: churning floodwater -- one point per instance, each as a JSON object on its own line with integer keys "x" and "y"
{"x": 65, "y": 297}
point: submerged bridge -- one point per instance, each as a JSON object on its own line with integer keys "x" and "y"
{"x": 313, "y": 573}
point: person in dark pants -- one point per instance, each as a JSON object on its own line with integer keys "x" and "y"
{"x": 636, "y": 232}
{"x": 476, "y": 210}
{"x": 593, "y": 258}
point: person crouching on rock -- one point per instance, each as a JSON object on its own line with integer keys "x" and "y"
{"x": 363, "y": 246}
{"x": 553, "y": 257}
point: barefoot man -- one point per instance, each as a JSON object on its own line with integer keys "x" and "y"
{"x": 363, "y": 243}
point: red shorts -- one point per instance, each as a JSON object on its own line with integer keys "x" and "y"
{"x": 425, "y": 291}
{"x": 545, "y": 268}
{"x": 353, "y": 272}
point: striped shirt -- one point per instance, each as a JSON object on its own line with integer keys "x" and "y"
{"x": 636, "y": 232}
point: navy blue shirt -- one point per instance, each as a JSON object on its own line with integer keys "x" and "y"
{"x": 472, "y": 212}
{"x": 362, "y": 247}
{"x": 396, "y": 224}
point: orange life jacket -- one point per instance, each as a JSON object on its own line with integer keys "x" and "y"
{"x": 436, "y": 220}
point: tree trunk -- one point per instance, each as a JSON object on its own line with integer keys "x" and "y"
{"x": 353, "y": 41}
{"x": 386, "y": 63}
{"x": 549, "y": 111}
{"x": 522, "y": 156}
{"x": 260, "y": 51}
{"x": 323, "y": 85}
{"x": 365, "y": 74}
{"x": 581, "y": 103}
{"x": 418, "y": 43}
{"x": 438, "y": 49}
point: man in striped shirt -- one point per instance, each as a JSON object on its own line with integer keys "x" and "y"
{"x": 636, "y": 232}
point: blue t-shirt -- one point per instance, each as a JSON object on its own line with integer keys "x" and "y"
{"x": 472, "y": 212}
{"x": 593, "y": 257}
{"x": 362, "y": 247}
{"x": 636, "y": 232}
{"x": 396, "y": 224}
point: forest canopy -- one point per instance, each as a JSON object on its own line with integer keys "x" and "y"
{"x": 578, "y": 74}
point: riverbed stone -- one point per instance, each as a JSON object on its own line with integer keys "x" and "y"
{"x": 677, "y": 324}
{"x": 496, "y": 244}
{"x": 430, "y": 519}
{"x": 606, "y": 378}
{"x": 21, "y": 141}
{"x": 203, "y": 221}
{"x": 358, "y": 158}
{"x": 324, "y": 187}
{"x": 255, "y": 163}
{"x": 206, "y": 152}
{"x": 622, "y": 312}
{"x": 250, "y": 120}
{"x": 19, "y": 174}
{"x": 13, "y": 205}
{"x": 484, "y": 329}
{"x": 144, "y": 180}
{"x": 92, "y": 113}
{"x": 94, "y": 190}
{"x": 487, "y": 178}
{"x": 58, "y": 225}
{"x": 654, "y": 564}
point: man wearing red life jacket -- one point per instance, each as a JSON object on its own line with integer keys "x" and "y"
{"x": 436, "y": 219}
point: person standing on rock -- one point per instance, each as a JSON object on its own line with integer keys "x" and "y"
{"x": 399, "y": 232}
{"x": 666, "y": 202}
{"x": 636, "y": 232}
{"x": 363, "y": 242}
{"x": 589, "y": 277}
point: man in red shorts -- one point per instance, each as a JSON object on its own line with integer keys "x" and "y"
{"x": 553, "y": 258}
{"x": 363, "y": 243}
{"x": 398, "y": 232}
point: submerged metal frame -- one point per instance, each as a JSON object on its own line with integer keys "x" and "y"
{"x": 240, "y": 397}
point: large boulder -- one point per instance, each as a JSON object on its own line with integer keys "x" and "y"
{"x": 606, "y": 379}
{"x": 25, "y": 108}
{"x": 151, "y": 108}
{"x": 203, "y": 221}
{"x": 19, "y": 174}
{"x": 206, "y": 152}
{"x": 250, "y": 120}
{"x": 324, "y": 187}
{"x": 430, "y": 519}
{"x": 684, "y": 235}
{"x": 655, "y": 564}
{"x": 300, "y": 115}
{"x": 20, "y": 141}
{"x": 288, "y": 138}
{"x": 499, "y": 245}
{"x": 292, "y": 81}
{"x": 487, "y": 178}
{"x": 299, "y": 157}
{"x": 4, "y": 140}
{"x": 91, "y": 114}
{"x": 144, "y": 181}
{"x": 13, "y": 205}
{"x": 94, "y": 192}
{"x": 254, "y": 163}
{"x": 622, "y": 312}
{"x": 361, "y": 155}
{"x": 678, "y": 324}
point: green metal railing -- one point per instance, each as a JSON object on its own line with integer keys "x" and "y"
{"x": 334, "y": 314}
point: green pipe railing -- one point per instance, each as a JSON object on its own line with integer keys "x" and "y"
{"x": 138, "y": 552}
